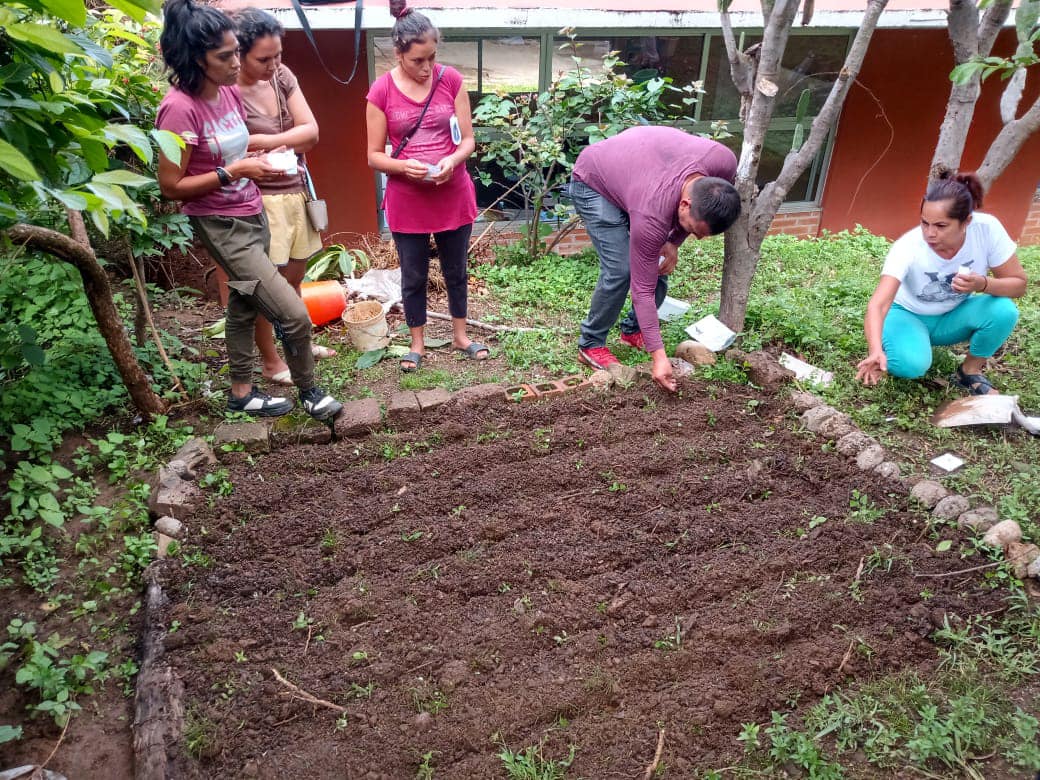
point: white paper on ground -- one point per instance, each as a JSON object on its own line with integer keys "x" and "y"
{"x": 671, "y": 308}
{"x": 803, "y": 370}
{"x": 710, "y": 332}
{"x": 947, "y": 461}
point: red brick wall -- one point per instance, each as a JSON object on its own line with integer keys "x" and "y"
{"x": 804, "y": 224}
{"x": 1031, "y": 229}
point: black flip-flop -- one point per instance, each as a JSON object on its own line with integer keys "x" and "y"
{"x": 474, "y": 349}
{"x": 975, "y": 384}
{"x": 411, "y": 357}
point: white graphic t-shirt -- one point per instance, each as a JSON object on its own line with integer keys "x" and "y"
{"x": 925, "y": 277}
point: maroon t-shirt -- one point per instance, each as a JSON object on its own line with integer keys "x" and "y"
{"x": 641, "y": 171}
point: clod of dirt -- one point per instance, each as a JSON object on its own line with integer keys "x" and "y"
{"x": 452, "y": 675}
{"x": 887, "y": 469}
{"x": 764, "y": 370}
{"x": 422, "y": 722}
{"x": 1002, "y": 534}
{"x": 928, "y": 493}
{"x": 681, "y": 368}
{"x": 600, "y": 379}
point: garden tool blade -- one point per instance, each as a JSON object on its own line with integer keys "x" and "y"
{"x": 976, "y": 410}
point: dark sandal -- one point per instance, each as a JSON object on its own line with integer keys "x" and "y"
{"x": 474, "y": 349}
{"x": 411, "y": 357}
{"x": 975, "y": 384}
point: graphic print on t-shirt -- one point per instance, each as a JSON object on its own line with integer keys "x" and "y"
{"x": 938, "y": 289}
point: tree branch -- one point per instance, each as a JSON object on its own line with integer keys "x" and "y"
{"x": 1007, "y": 144}
{"x": 796, "y": 162}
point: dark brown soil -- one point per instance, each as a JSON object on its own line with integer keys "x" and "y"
{"x": 520, "y": 574}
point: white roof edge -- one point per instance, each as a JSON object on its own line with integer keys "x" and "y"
{"x": 342, "y": 18}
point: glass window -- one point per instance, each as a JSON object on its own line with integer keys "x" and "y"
{"x": 486, "y": 64}
{"x": 645, "y": 57}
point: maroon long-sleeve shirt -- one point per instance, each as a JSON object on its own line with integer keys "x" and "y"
{"x": 641, "y": 171}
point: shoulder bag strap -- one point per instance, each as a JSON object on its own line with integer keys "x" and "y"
{"x": 314, "y": 44}
{"x": 408, "y": 136}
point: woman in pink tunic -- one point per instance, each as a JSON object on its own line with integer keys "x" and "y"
{"x": 422, "y": 111}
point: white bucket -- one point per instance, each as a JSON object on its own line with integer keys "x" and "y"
{"x": 366, "y": 324}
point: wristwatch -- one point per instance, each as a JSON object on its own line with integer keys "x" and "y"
{"x": 223, "y": 175}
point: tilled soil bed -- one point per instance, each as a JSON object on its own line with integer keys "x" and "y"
{"x": 584, "y": 571}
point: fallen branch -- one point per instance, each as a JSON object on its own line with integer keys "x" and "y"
{"x": 436, "y": 315}
{"x": 142, "y": 295}
{"x": 657, "y": 757}
{"x": 298, "y": 693}
{"x": 963, "y": 571}
{"x": 58, "y": 743}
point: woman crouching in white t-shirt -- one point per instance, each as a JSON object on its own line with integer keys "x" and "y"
{"x": 926, "y": 295}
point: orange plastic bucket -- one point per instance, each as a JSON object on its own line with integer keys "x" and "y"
{"x": 325, "y": 301}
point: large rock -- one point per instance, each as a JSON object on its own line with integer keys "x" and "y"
{"x": 836, "y": 426}
{"x": 803, "y": 401}
{"x": 813, "y": 418}
{"x": 887, "y": 469}
{"x": 171, "y": 494}
{"x": 196, "y": 453}
{"x": 600, "y": 379}
{"x": 252, "y": 436}
{"x": 870, "y": 458}
{"x": 1002, "y": 534}
{"x": 359, "y": 418}
{"x": 950, "y": 507}
{"x": 170, "y": 526}
{"x": 853, "y": 443}
{"x": 695, "y": 353}
{"x": 1021, "y": 556}
{"x": 981, "y": 518}
{"x": 928, "y": 493}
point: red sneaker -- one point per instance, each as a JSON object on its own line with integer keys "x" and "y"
{"x": 634, "y": 340}
{"x": 596, "y": 357}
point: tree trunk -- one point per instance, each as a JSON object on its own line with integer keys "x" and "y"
{"x": 970, "y": 38}
{"x": 99, "y": 294}
{"x": 744, "y": 239}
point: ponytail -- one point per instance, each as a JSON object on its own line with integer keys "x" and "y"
{"x": 963, "y": 190}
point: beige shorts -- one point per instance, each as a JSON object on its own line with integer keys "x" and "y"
{"x": 292, "y": 237}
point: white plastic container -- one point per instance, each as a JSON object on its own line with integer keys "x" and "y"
{"x": 710, "y": 332}
{"x": 283, "y": 161}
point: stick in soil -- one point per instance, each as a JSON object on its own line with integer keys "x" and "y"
{"x": 962, "y": 571}
{"x": 436, "y": 315}
{"x": 845, "y": 658}
{"x": 649, "y": 773}
{"x": 298, "y": 693}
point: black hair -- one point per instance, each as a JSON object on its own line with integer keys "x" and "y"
{"x": 189, "y": 31}
{"x": 963, "y": 190}
{"x": 254, "y": 23}
{"x": 715, "y": 202}
{"x": 410, "y": 27}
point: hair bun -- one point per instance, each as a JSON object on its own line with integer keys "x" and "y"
{"x": 399, "y": 8}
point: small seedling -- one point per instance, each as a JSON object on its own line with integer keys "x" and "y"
{"x": 359, "y": 656}
{"x": 302, "y": 622}
{"x": 671, "y": 641}
{"x": 329, "y": 540}
{"x": 240, "y": 657}
{"x": 414, "y": 536}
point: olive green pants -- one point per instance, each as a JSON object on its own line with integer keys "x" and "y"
{"x": 239, "y": 245}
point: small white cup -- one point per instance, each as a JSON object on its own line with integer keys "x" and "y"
{"x": 432, "y": 170}
{"x": 283, "y": 161}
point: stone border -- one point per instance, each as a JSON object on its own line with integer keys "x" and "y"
{"x": 159, "y": 714}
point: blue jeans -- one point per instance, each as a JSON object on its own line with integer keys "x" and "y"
{"x": 984, "y": 321}
{"x": 608, "y": 229}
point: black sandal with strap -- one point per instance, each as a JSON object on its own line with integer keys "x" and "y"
{"x": 975, "y": 384}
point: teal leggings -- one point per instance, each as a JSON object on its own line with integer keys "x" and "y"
{"x": 984, "y": 321}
